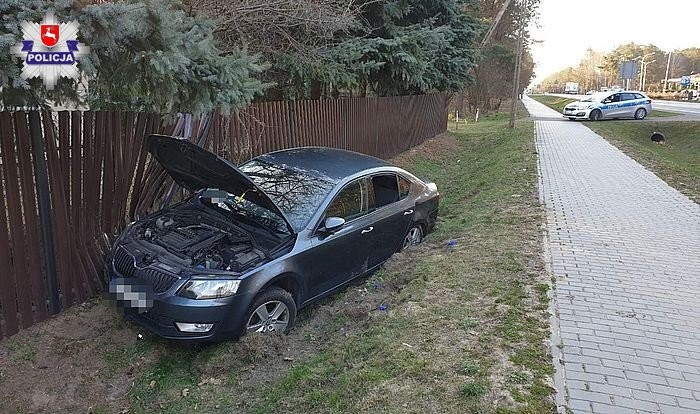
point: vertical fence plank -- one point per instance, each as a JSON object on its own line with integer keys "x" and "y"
{"x": 8, "y": 289}
{"x": 88, "y": 216}
{"x": 63, "y": 262}
{"x": 31, "y": 219}
{"x": 23, "y": 283}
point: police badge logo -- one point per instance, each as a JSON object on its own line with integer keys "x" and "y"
{"x": 50, "y": 50}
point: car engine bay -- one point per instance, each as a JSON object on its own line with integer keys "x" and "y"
{"x": 204, "y": 241}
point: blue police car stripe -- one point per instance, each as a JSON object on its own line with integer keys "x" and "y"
{"x": 622, "y": 105}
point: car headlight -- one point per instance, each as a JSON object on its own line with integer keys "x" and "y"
{"x": 209, "y": 289}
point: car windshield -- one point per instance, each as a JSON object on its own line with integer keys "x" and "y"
{"x": 296, "y": 192}
{"x": 250, "y": 211}
{"x": 596, "y": 97}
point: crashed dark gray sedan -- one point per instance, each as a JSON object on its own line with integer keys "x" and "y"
{"x": 252, "y": 245}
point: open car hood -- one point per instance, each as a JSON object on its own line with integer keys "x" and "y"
{"x": 195, "y": 168}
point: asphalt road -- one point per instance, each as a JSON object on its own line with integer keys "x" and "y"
{"x": 685, "y": 108}
{"x": 689, "y": 110}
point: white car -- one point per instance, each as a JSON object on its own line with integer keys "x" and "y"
{"x": 606, "y": 105}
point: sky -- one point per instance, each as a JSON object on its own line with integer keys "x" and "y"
{"x": 566, "y": 29}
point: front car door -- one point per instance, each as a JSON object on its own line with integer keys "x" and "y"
{"x": 341, "y": 256}
{"x": 611, "y": 105}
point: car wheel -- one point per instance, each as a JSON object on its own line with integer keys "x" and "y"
{"x": 595, "y": 115}
{"x": 272, "y": 311}
{"x": 413, "y": 236}
{"x": 640, "y": 113}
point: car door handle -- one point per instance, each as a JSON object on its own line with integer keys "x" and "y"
{"x": 405, "y": 213}
{"x": 367, "y": 230}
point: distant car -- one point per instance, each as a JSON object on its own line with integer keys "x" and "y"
{"x": 591, "y": 92}
{"x": 606, "y": 105}
{"x": 253, "y": 244}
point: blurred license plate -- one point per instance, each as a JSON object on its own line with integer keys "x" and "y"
{"x": 132, "y": 293}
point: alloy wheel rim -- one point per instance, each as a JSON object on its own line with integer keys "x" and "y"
{"x": 270, "y": 317}
{"x": 413, "y": 237}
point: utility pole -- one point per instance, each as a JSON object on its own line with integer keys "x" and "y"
{"x": 484, "y": 41}
{"x": 516, "y": 76}
{"x": 497, "y": 20}
{"x": 668, "y": 66}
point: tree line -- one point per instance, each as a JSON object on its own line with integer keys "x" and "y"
{"x": 597, "y": 69}
{"x": 197, "y": 55}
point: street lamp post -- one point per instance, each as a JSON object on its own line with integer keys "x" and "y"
{"x": 643, "y": 72}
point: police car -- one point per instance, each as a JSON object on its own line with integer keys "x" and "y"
{"x": 611, "y": 104}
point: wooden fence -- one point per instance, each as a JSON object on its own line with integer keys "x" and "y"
{"x": 69, "y": 181}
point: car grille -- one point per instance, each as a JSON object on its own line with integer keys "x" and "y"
{"x": 157, "y": 319}
{"x": 124, "y": 265}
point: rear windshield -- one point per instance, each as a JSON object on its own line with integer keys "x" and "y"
{"x": 296, "y": 192}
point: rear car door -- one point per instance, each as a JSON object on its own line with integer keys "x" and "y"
{"x": 339, "y": 257}
{"x": 393, "y": 215}
{"x": 630, "y": 103}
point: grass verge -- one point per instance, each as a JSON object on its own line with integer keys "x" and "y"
{"x": 462, "y": 325}
{"x": 656, "y": 113}
{"x": 677, "y": 161}
{"x": 555, "y": 102}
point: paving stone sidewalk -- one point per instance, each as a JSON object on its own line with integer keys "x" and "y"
{"x": 625, "y": 251}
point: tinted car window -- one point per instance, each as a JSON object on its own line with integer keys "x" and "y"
{"x": 385, "y": 189}
{"x": 296, "y": 192}
{"x": 348, "y": 203}
{"x": 615, "y": 98}
{"x": 404, "y": 187}
{"x": 628, "y": 97}
{"x": 639, "y": 96}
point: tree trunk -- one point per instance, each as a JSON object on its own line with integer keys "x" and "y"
{"x": 316, "y": 89}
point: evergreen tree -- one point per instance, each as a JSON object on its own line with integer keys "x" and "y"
{"x": 395, "y": 47}
{"x": 145, "y": 55}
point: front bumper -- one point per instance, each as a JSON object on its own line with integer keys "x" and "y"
{"x": 225, "y": 314}
{"x": 576, "y": 113}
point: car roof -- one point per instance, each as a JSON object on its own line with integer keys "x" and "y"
{"x": 330, "y": 163}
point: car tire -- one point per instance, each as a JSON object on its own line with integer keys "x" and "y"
{"x": 266, "y": 303}
{"x": 640, "y": 113}
{"x": 595, "y": 115}
{"x": 414, "y": 236}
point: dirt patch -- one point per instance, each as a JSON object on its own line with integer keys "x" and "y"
{"x": 60, "y": 365}
{"x": 434, "y": 149}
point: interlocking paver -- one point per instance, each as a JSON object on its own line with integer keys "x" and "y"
{"x": 624, "y": 248}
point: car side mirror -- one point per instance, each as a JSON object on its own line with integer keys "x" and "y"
{"x": 333, "y": 224}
